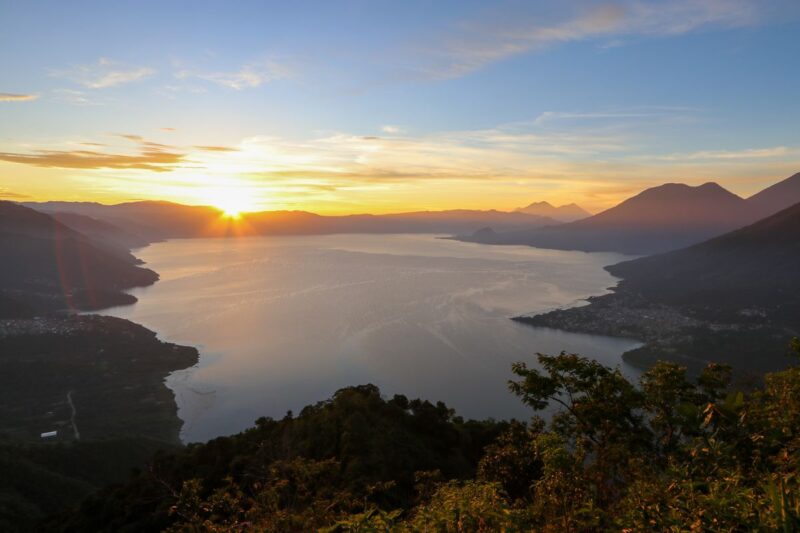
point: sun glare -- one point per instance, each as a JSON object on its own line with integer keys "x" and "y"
{"x": 231, "y": 201}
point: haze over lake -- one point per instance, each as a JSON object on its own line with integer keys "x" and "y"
{"x": 282, "y": 322}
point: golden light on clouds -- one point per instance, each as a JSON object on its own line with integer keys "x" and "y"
{"x": 13, "y": 97}
{"x": 499, "y": 168}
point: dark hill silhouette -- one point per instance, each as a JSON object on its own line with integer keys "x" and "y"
{"x": 298, "y": 222}
{"x": 658, "y": 219}
{"x": 102, "y": 232}
{"x": 563, "y": 213}
{"x": 674, "y": 206}
{"x": 150, "y": 220}
{"x": 758, "y": 264}
{"x": 47, "y": 266}
{"x": 776, "y": 197}
{"x": 732, "y": 299}
{"x": 159, "y": 220}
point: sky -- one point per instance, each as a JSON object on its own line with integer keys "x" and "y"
{"x": 381, "y": 106}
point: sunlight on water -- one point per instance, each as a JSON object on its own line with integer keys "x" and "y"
{"x": 282, "y": 322}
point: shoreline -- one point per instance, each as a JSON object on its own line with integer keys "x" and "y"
{"x": 673, "y": 333}
{"x": 112, "y": 371}
{"x": 115, "y": 371}
{"x": 598, "y": 282}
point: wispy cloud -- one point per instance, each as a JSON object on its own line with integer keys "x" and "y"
{"x": 148, "y": 156}
{"x": 249, "y": 76}
{"x": 591, "y": 164}
{"x": 103, "y": 74}
{"x": 749, "y": 153}
{"x": 10, "y": 195}
{"x": 216, "y": 148}
{"x": 632, "y": 114}
{"x": 131, "y": 137}
{"x": 14, "y": 97}
{"x": 476, "y": 44}
{"x": 73, "y": 97}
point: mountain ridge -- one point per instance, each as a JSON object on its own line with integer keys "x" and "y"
{"x": 778, "y": 196}
{"x": 563, "y": 213}
{"x": 731, "y": 294}
{"x": 47, "y": 266}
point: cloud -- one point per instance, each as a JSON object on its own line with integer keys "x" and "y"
{"x": 103, "y": 74}
{"x": 148, "y": 158}
{"x": 389, "y": 128}
{"x": 249, "y": 76}
{"x": 216, "y": 148}
{"x": 169, "y": 130}
{"x": 748, "y": 153}
{"x": 593, "y": 162}
{"x": 5, "y": 193}
{"x": 131, "y": 137}
{"x": 13, "y": 97}
{"x": 475, "y": 45}
{"x": 73, "y": 97}
{"x": 549, "y": 117}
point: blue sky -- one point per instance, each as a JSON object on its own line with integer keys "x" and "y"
{"x": 380, "y": 106}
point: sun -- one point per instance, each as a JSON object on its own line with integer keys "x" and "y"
{"x": 232, "y": 201}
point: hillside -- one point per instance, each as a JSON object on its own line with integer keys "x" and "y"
{"x": 102, "y": 232}
{"x": 328, "y": 459}
{"x": 48, "y": 266}
{"x": 97, "y": 382}
{"x": 732, "y": 299}
{"x": 674, "y": 206}
{"x": 758, "y": 263}
{"x": 617, "y": 455}
{"x": 563, "y": 213}
{"x": 777, "y": 197}
{"x": 150, "y": 220}
{"x": 159, "y": 220}
{"x": 658, "y": 219}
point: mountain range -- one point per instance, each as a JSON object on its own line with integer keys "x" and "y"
{"x": 563, "y": 213}
{"x": 776, "y": 197}
{"x": 758, "y": 265}
{"x": 155, "y": 221}
{"x": 659, "y": 219}
{"x": 731, "y": 299}
{"x": 48, "y": 266}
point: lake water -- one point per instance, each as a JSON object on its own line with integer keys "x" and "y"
{"x": 282, "y": 322}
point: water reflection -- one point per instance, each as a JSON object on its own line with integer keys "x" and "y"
{"x": 283, "y": 322}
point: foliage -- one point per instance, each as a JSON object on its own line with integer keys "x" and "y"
{"x": 467, "y": 506}
{"x": 338, "y": 458}
{"x": 668, "y": 453}
{"x": 39, "y": 479}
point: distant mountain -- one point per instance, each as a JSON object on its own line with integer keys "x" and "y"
{"x": 48, "y": 266}
{"x": 564, "y": 213}
{"x": 453, "y": 221}
{"x": 159, "y": 220}
{"x": 777, "y": 197}
{"x": 658, "y": 219}
{"x": 102, "y": 232}
{"x": 733, "y": 299}
{"x": 755, "y": 265}
{"x": 675, "y": 206}
{"x": 151, "y": 220}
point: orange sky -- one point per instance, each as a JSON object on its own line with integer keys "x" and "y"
{"x": 353, "y": 174}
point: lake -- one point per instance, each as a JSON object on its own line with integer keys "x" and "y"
{"x": 283, "y": 322}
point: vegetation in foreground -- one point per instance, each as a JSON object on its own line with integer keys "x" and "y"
{"x": 667, "y": 455}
